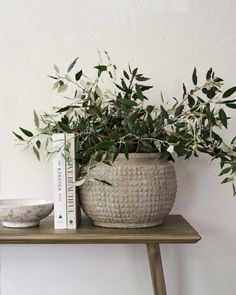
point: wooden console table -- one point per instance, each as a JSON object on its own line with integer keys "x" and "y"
{"x": 174, "y": 230}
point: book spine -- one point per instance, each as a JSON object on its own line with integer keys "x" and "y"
{"x": 72, "y": 213}
{"x": 59, "y": 183}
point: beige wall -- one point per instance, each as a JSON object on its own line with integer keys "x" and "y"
{"x": 166, "y": 39}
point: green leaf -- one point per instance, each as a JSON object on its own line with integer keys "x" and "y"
{"x": 53, "y": 77}
{"x": 36, "y": 152}
{"x": 191, "y": 101}
{"x": 103, "y": 181}
{"x": 184, "y": 90}
{"x": 194, "y": 77}
{"x": 234, "y": 189}
{"x": 99, "y": 156}
{"x": 129, "y": 102}
{"x": 38, "y": 143}
{"x": 62, "y": 88}
{"x": 126, "y": 75}
{"x": 211, "y": 93}
{"x": 79, "y": 182}
{"x": 233, "y": 141}
{"x": 63, "y": 109}
{"x": 126, "y": 151}
{"x": 229, "y": 92}
{"x": 224, "y": 171}
{"x": 114, "y": 135}
{"x": 217, "y": 79}
{"x": 64, "y": 127}
{"x": 56, "y": 69}
{"x": 119, "y": 87}
{"x": 179, "y": 110}
{"x": 18, "y": 136}
{"x": 150, "y": 108}
{"x": 36, "y": 119}
{"x": 164, "y": 112}
{"x": 26, "y": 132}
{"x": 72, "y": 65}
{"x": 157, "y": 144}
{"x": 227, "y": 179}
{"x": 228, "y": 101}
{"x": 101, "y": 68}
{"x": 139, "y": 92}
{"x": 135, "y": 71}
{"x": 78, "y": 75}
{"x": 231, "y": 105}
{"x": 97, "y": 110}
{"x": 208, "y": 75}
{"x": 145, "y": 87}
{"x": 223, "y": 118}
{"x": 141, "y": 78}
{"x": 56, "y": 85}
{"x": 103, "y": 145}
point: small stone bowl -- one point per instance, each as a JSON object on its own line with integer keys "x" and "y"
{"x": 21, "y": 213}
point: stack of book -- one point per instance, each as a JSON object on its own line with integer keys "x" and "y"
{"x": 66, "y": 206}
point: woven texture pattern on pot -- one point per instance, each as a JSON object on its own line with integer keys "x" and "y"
{"x": 142, "y": 193}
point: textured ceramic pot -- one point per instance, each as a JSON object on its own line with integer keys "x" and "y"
{"x": 20, "y": 213}
{"x": 142, "y": 193}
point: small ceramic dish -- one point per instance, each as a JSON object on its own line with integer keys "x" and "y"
{"x": 20, "y": 213}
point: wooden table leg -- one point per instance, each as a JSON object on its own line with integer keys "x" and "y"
{"x": 155, "y": 265}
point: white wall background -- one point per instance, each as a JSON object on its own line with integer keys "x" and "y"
{"x": 166, "y": 39}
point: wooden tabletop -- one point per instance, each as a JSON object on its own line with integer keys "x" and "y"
{"x": 175, "y": 229}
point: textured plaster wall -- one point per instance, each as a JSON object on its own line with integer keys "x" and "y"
{"x": 166, "y": 39}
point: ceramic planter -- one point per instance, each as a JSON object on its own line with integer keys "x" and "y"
{"x": 142, "y": 193}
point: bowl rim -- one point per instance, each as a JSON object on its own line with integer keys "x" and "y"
{"x": 9, "y": 203}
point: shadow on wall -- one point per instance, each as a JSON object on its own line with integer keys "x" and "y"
{"x": 188, "y": 178}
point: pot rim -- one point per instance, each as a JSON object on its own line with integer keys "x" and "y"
{"x": 139, "y": 155}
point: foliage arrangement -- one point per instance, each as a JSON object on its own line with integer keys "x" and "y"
{"x": 118, "y": 119}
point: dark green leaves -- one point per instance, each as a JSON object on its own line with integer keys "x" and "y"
{"x": 61, "y": 110}
{"x": 38, "y": 144}
{"x": 64, "y": 127}
{"x": 126, "y": 151}
{"x": 78, "y": 75}
{"x": 26, "y": 132}
{"x": 191, "y": 101}
{"x": 107, "y": 122}
{"x": 72, "y": 65}
{"x": 208, "y": 75}
{"x": 129, "y": 102}
{"x": 103, "y": 181}
{"x": 36, "y": 152}
{"x": 101, "y": 68}
{"x": 179, "y": 110}
{"x": 229, "y": 92}
{"x": 184, "y": 90}
{"x": 223, "y": 118}
{"x": 18, "y": 136}
{"x": 141, "y": 78}
{"x": 225, "y": 171}
{"x": 150, "y": 108}
{"x": 126, "y": 75}
{"x": 231, "y": 105}
{"x": 194, "y": 77}
{"x": 103, "y": 145}
{"x": 164, "y": 112}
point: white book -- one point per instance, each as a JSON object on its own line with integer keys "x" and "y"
{"x": 73, "y": 212}
{"x": 59, "y": 183}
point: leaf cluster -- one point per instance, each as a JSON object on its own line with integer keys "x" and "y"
{"x": 119, "y": 119}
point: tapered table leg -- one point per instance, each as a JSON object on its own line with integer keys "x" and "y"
{"x": 155, "y": 265}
